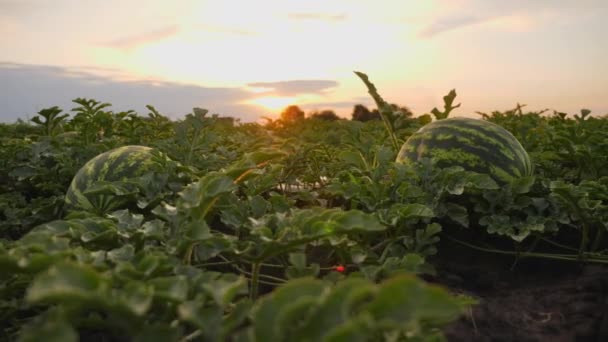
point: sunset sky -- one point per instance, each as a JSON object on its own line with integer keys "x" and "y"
{"x": 252, "y": 58}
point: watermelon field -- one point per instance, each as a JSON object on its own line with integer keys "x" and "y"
{"x": 125, "y": 226}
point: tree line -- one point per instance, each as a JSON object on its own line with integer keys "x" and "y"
{"x": 360, "y": 113}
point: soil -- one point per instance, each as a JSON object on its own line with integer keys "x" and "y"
{"x": 537, "y": 300}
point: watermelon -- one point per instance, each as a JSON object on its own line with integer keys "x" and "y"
{"x": 476, "y": 145}
{"x": 120, "y": 164}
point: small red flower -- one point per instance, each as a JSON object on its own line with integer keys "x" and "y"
{"x": 340, "y": 268}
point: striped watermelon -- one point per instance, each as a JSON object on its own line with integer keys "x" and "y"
{"x": 476, "y": 145}
{"x": 120, "y": 164}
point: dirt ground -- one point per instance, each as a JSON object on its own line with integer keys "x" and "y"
{"x": 538, "y": 300}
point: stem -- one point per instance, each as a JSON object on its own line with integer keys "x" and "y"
{"x": 255, "y": 278}
{"x": 584, "y": 240}
{"x": 598, "y": 239}
{"x": 517, "y": 256}
{"x": 386, "y": 242}
{"x": 219, "y": 263}
{"x": 192, "y": 336}
{"x": 192, "y": 143}
{"x": 236, "y": 267}
{"x": 276, "y": 281}
{"x": 566, "y": 257}
{"x": 534, "y": 244}
{"x": 269, "y": 253}
{"x": 382, "y": 108}
{"x": 272, "y": 265}
{"x": 557, "y": 244}
{"x": 470, "y": 312}
{"x": 188, "y": 254}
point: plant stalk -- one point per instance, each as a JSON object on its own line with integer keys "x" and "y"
{"x": 255, "y": 278}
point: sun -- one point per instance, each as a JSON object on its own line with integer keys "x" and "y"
{"x": 275, "y": 103}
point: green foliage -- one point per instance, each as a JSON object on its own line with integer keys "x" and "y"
{"x": 476, "y": 145}
{"x": 238, "y": 230}
{"x": 313, "y": 310}
{"x": 448, "y": 106}
{"x": 52, "y": 120}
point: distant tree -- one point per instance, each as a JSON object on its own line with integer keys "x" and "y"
{"x": 327, "y": 114}
{"x": 361, "y": 113}
{"x": 404, "y": 110}
{"x": 399, "y": 117}
{"x": 292, "y": 113}
{"x": 225, "y": 121}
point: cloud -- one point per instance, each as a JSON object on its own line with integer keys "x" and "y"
{"x": 133, "y": 41}
{"x": 14, "y": 6}
{"x": 295, "y": 87}
{"x": 513, "y": 14}
{"x": 10, "y": 12}
{"x": 450, "y": 23}
{"x": 26, "y": 89}
{"x": 316, "y": 16}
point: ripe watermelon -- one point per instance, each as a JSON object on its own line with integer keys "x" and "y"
{"x": 120, "y": 164}
{"x": 476, "y": 145}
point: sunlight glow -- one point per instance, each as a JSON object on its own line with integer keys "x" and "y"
{"x": 414, "y": 51}
{"x": 274, "y": 103}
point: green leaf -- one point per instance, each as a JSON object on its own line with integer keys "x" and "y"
{"x": 458, "y": 213}
{"x": 136, "y": 296}
{"x": 65, "y": 282}
{"x": 213, "y": 246}
{"x": 173, "y": 289}
{"x": 237, "y": 316}
{"x": 413, "y": 210}
{"x": 44, "y": 241}
{"x": 404, "y": 300}
{"x": 354, "y": 158}
{"x": 336, "y": 308}
{"x": 358, "y": 255}
{"x": 266, "y": 313}
{"x": 127, "y": 223}
{"x": 355, "y": 330}
{"x": 259, "y": 206}
{"x": 298, "y": 260}
{"x": 23, "y": 172}
{"x": 199, "y": 197}
{"x": 207, "y": 319}
{"x": 251, "y": 160}
{"x": 225, "y": 289}
{"x": 122, "y": 254}
{"x": 48, "y": 330}
{"x": 481, "y": 181}
{"x": 351, "y": 220}
{"x": 160, "y": 332}
{"x": 154, "y": 229}
{"x": 196, "y": 230}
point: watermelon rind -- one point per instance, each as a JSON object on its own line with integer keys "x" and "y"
{"x": 121, "y": 164}
{"x": 476, "y": 145}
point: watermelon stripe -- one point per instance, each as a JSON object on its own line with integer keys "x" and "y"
{"x": 480, "y": 145}
{"x": 504, "y": 137}
{"x": 120, "y": 164}
{"x": 453, "y": 151}
{"x": 476, "y": 145}
{"x": 480, "y": 136}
